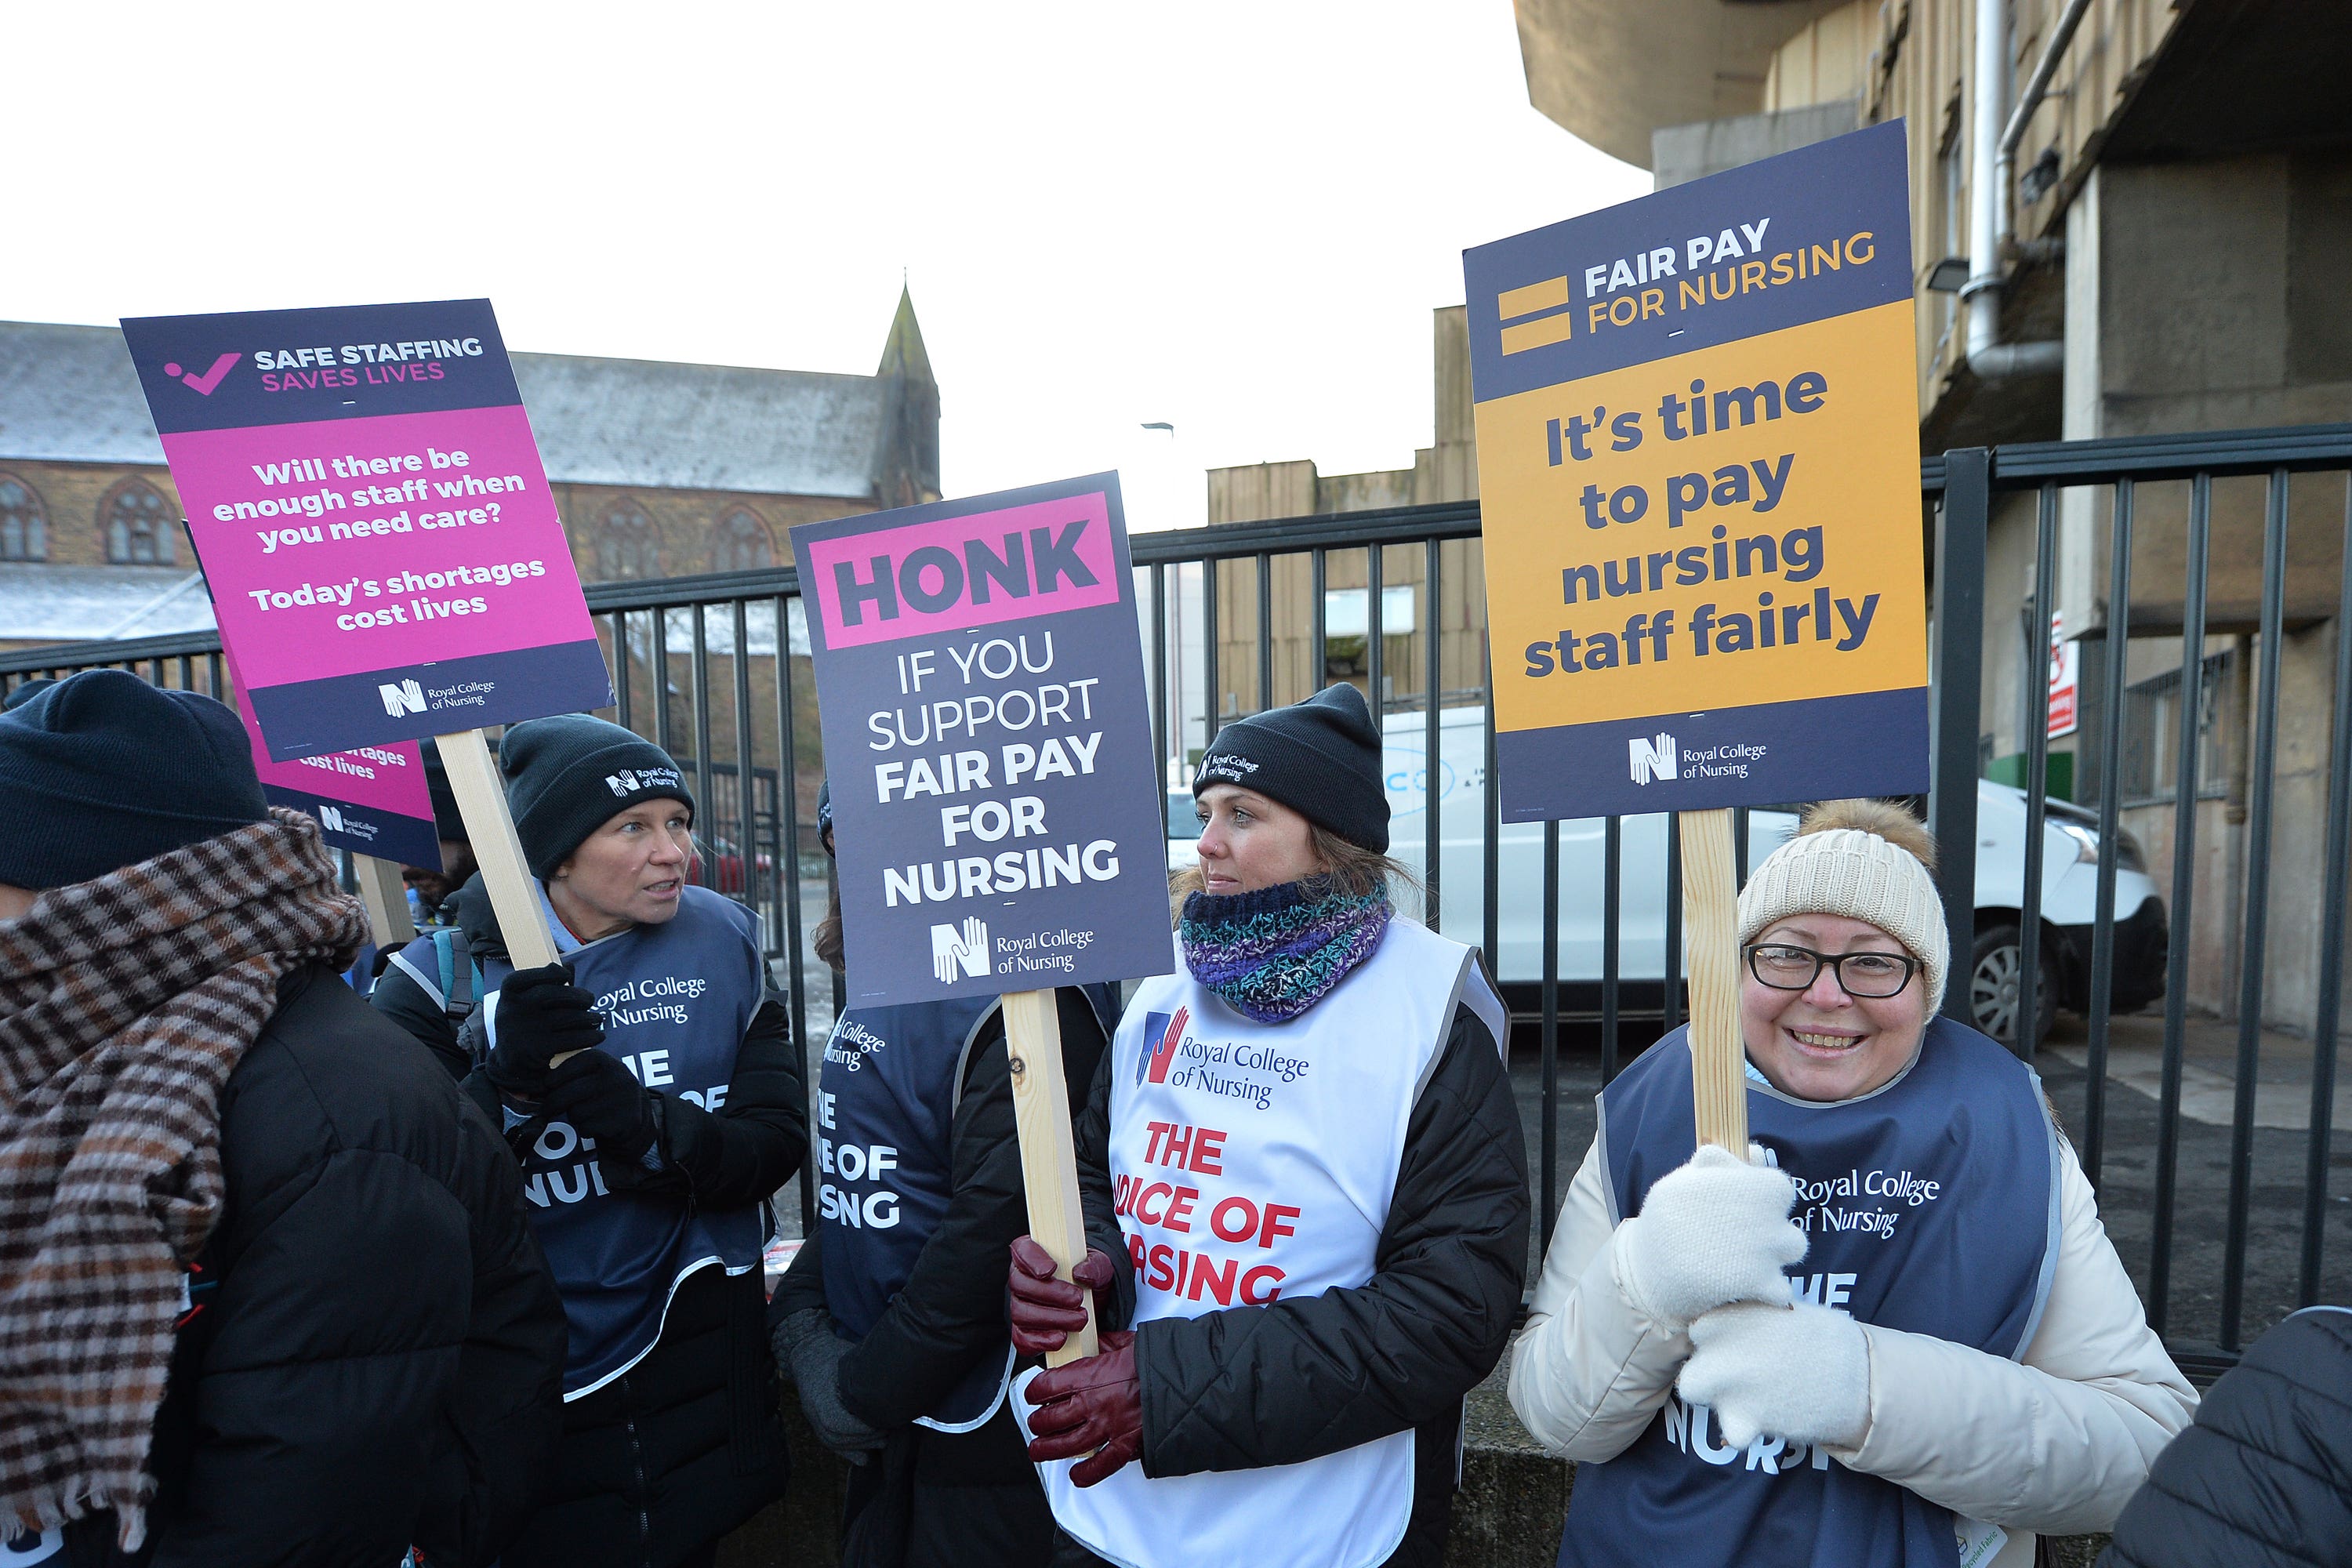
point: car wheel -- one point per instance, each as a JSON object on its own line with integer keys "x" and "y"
{"x": 1993, "y": 986}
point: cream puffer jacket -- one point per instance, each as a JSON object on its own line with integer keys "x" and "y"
{"x": 2054, "y": 1444}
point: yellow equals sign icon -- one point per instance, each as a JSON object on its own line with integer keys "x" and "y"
{"x": 1551, "y": 295}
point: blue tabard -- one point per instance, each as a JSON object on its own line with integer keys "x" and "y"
{"x": 1929, "y": 1205}
{"x": 886, "y": 1106}
{"x": 676, "y": 999}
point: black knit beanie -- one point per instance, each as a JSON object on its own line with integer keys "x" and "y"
{"x": 449, "y": 822}
{"x": 569, "y": 775}
{"x": 102, "y": 771}
{"x": 1320, "y": 757}
{"x": 25, "y": 693}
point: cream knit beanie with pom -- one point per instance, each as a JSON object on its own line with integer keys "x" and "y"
{"x": 1837, "y": 865}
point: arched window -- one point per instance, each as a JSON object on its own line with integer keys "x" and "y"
{"x": 741, "y": 542}
{"x": 625, "y": 546}
{"x": 138, "y": 524}
{"x": 24, "y": 526}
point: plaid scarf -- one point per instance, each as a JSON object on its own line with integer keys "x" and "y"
{"x": 1276, "y": 952}
{"x": 125, "y": 1002}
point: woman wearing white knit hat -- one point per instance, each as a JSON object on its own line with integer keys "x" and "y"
{"x": 1900, "y": 1337}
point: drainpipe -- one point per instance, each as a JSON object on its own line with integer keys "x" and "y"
{"x": 1991, "y": 163}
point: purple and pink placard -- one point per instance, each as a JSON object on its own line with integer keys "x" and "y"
{"x": 996, "y": 807}
{"x": 372, "y": 800}
{"x": 375, "y": 523}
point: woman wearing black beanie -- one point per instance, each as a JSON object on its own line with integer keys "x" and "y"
{"x": 1310, "y": 1147}
{"x": 649, "y": 1085}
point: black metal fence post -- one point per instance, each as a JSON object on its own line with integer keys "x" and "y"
{"x": 2028, "y": 1029}
{"x": 2184, "y": 888}
{"x": 2333, "y": 872}
{"x": 2264, "y": 721}
{"x": 1958, "y": 696}
{"x": 2111, "y": 750}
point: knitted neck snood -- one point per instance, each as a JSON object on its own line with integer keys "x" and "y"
{"x": 1276, "y": 952}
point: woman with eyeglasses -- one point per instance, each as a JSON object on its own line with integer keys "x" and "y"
{"x": 1897, "y": 1334}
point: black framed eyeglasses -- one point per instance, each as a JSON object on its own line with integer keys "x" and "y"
{"x": 1872, "y": 974}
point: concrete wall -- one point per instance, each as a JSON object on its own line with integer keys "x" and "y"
{"x": 1680, "y": 153}
{"x": 2207, "y": 295}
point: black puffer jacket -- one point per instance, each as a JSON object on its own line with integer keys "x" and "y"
{"x": 2264, "y": 1479}
{"x": 965, "y": 1497}
{"x": 377, "y": 1360}
{"x": 1246, "y": 1387}
{"x": 687, "y": 1444}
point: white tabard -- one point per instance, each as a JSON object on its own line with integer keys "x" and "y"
{"x": 1251, "y": 1162}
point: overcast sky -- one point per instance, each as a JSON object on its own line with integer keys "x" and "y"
{"x": 1236, "y": 219}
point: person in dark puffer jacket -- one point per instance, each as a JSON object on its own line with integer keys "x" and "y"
{"x": 1309, "y": 1139}
{"x": 306, "y": 1247}
{"x": 650, "y": 1087}
{"x": 2263, "y": 1478}
{"x": 894, "y": 1333}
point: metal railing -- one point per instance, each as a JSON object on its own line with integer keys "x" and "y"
{"x": 1239, "y": 618}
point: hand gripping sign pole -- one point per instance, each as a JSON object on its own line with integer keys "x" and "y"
{"x": 1698, "y": 462}
{"x": 1049, "y": 1162}
{"x": 380, "y": 542}
{"x": 996, "y": 810}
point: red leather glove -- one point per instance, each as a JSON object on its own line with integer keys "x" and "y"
{"x": 1046, "y": 1311}
{"x": 1091, "y": 1410}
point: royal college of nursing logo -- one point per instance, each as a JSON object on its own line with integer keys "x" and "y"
{"x": 964, "y": 950}
{"x": 405, "y": 697}
{"x": 1651, "y": 759}
{"x": 1162, "y": 1033}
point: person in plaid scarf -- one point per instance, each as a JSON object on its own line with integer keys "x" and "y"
{"x": 266, "y": 1293}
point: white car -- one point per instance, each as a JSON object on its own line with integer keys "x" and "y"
{"x": 2069, "y": 887}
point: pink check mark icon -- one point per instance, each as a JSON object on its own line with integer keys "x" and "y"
{"x": 211, "y": 378}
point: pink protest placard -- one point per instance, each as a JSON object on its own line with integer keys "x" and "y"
{"x": 372, "y": 800}
{"x": 376, "y": 526}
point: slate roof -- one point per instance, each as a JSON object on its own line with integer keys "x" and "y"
{"x": 67, "y": 395}
{"x": 42, "y": 604}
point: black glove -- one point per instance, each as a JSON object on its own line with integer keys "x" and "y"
{"x": 599, "y": 1095}
{"x": 809, "y": 1352}
{"x": 540, "y": 1013}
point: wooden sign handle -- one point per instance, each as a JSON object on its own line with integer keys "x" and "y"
{"x": 514, "y": 892}
{"x": 1711, "y": 941}
{"x": 1049, "y": 1156}
{"x": 386, "y": 898}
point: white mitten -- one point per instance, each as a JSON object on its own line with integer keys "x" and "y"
{"x": 1800, "y": 1373}
{"x": 1713, "y": 1232}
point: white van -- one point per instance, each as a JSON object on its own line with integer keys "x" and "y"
{"x": 2069, "y": 887}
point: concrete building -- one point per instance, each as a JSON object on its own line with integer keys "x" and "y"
{"x": 1444, "y": 471}
{"x": 2128, "y": 217}
{"x": 658, "y": 470}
